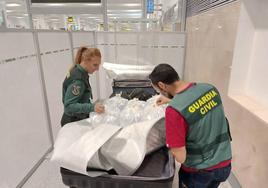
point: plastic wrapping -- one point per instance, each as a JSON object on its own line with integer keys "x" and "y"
{"x": 114, "y": 105}
{"x": 106, "y": 141}
{"x": 98, "y": 119}
{"x": 121, "y": 112}
{"x": 152, "y": 111}
{"x": 132, "y": 113}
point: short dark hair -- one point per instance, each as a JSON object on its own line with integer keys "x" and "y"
{"x": 164, "y": 73}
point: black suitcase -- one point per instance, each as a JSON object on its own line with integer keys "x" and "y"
{"x": 156, "y": 171}
{"x": 129, "y": 89}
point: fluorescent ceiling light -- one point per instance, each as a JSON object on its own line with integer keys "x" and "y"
{"x": 8, "y": 11}
{"x": 131, "y": 4}
{"x": 55, "y": 4}
{"x": 54, "y": 19}
{"x": 42, "y": 5}
{"x": 92, "y": 4}
{"x": 13, "y": 5}
{"x": 125, "y": 5}
{"x": 19, "y": 17}
{"x": 118, "y": 11}
{"x": 93, "y": 17}
{"x": 127, "y": 14}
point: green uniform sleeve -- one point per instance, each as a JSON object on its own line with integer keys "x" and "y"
{"x": 73, "y": 99}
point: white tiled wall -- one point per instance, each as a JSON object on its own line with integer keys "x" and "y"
{"x": 256, "y": 88}
{"x": 242, "y": 55}
{"x": 250, "y": 66}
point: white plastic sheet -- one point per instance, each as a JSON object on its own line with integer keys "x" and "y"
{"x": 78, "y": 144}
{"x": 120, "y": 144}
{"x": 127, "y": 149}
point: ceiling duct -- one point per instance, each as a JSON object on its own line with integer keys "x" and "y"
{"x": 195, "y": 7}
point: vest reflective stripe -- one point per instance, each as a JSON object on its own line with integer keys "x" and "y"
{"x": 207, "y": 141}
{"x": 200, "y": 151}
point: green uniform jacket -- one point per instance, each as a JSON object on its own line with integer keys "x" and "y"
{"x": 76, "y": 96}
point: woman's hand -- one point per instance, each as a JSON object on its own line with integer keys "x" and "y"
{"x": 99, "y": 108}
{"x": 162, "y": 100}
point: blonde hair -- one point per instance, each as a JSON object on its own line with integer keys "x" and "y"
{"x": 84, "y": 54}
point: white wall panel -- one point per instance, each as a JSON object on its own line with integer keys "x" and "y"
{"x": 172, "y": 56}
{"x": 171, "y": 47}
{"x": 140, "y": 48}
{"x": 24, "y": 136}
{"x": 106, "y": 44}
{"x": 162, "y": 47}
{"x": 249, "y": 66}
{"x": 146, "y": 55}
{"x": 15, "y": 47}
{"x": 83, "y": 39}
{"x": 242, "y": 53}
{"x": 127, "y": 50}
{"x": 50, "y": 41}
{"x": 170, "y": 38}
{"x": 258, "y": 69}
{"x": 55, "y": 66}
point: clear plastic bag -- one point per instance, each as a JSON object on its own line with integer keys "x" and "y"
{"x": 132, "y": 113}
{"x": 110, "y": 119}
{"x": 97, "y": 119}
{"x": 152, "y": 111}
{"x": 121, "y": 112}
{"x": 115, "y": 105}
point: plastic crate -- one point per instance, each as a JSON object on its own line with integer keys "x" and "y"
{"x": 156, "y": 171}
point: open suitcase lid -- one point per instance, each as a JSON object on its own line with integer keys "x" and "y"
{"x": 127, "y": 72}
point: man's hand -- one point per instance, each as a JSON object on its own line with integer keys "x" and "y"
{"x": 162, "y": 100}
{"x": 179, "y": 154}
{"x": 99, "y": 108}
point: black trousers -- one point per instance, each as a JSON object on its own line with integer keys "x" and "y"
{"x": 68, "y": 119}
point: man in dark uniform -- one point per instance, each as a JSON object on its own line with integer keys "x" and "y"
{"x": 197, "y": 131}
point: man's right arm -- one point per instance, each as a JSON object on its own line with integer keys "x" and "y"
{"x": 176, "y": 131}
{"x": 162, "y": 100}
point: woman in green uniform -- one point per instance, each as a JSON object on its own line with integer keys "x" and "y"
{"x": 77, "y": 93}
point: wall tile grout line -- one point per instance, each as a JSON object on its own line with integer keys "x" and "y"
{"x": 13, "y": 59}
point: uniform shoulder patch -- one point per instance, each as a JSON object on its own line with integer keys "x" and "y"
{"x": 76, "y": 90}
{"x": 68, "y": 74}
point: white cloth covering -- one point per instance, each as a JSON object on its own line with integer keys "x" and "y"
{"x": 112, "y": 140}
